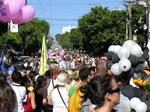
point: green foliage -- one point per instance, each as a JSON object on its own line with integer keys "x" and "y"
{"x": 29, "y": 37}
{"x": 64, "y": 40}
{"x": 49, "y": 41}
{"x": 72, "y": 40}
{"x": 138, "y": 16}
{"x": 102, "y": 27}
{"x": 76, "y": 39}
{"x": 3, "y": 28}
{"x": 32, "y": 33}
{"x": 138, "y": 22}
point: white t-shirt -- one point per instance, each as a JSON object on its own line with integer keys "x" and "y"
{"x": 21, "y": 96}
{"x": 123, "y": 106}
{"x": 58, "y": 105}
{"x": 50, "y": 85}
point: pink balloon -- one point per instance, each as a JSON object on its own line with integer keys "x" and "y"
{"x": 27, "y": 13}
{"x": 21, "y": 3}
{"x": 14, "y": 7}
{"x": 17, "y": 20}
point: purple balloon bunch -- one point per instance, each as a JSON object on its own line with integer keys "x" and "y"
{"x": 16, "y": 10}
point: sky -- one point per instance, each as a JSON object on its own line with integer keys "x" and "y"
{"x": 59, "y": 13}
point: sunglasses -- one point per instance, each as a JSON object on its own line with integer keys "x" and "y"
{"x": 117, "y": 90}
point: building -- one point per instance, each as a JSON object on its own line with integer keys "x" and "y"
{"x": 67, "y": 28}
{"x": 142, "y": 2}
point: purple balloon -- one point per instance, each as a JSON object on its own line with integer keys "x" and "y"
{"x": 27, "y": 13}
{"x": 4, "y": 14}
{"x": 5, "y": 19}
{"x": 14, "y": 8}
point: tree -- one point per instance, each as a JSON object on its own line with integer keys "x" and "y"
{"x": 13, "y": 40}
{"x": 76, "y": 39}
{"x": 32, "y": 33}
{"x": 101, "y": 28}
{"x": 138, "y": 23}
{"x": 29, "y": 37}
{"x": 57, "y": 37}
{"x": 64, "y": 40}
{"x": 50, "y": 40}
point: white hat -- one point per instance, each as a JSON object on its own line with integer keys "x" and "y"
{"x": 61, "y": 79}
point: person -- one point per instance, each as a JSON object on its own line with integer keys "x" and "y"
{"x": 103, "y": 92}
{"x": 54, "y": 71}
{"x": 41, "y": 94}
{"x": 100, "y": 66}
{"x": 19, "y": 90}
{"x": 73, "y": 81}
{"x": 30, "y": 104}
{"x": 8, "y": 99}
{"x": 58, "y": 97}
{"x": 76, "y": 99}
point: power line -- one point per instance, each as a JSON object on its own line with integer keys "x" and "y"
{"x": 62, "y": 24}
{"x": 71, "y": 4}
{"x": 60, "y": 19}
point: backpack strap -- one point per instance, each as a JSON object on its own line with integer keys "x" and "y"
{"x": 62, "y": 98}
{"x": 53, "y": 83}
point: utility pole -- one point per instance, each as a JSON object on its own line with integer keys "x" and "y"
{"x": 129, "y": 4}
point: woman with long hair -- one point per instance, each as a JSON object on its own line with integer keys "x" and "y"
{"x": 8, "y": 99}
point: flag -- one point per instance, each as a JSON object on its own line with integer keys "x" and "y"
{"x": 43, "y": 60}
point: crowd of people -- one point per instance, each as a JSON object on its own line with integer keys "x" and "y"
{"x": 75, "y": 83}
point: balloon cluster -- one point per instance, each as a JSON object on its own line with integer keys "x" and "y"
{"x": 16, "y": 10}
{"x": 137, "y": 105}
{"x": 123, "y": 58}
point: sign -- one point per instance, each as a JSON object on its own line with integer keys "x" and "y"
{"x": 13, "y": 27}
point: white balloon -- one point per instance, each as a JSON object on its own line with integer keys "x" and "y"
{"x": 115, "y": 69}
{"x": 141, "y": 107}
{"x": 123, "y": 53}
{"x": 116, "y": 49}
{"x": 133, "y": 102}
{"x": 136, "y": 50}
{"x": 129, "y": 44}
{"x": 111, "y": 48}
{"x": 124, "y": 65}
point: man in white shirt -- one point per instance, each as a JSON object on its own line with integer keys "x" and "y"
{"x": 19, "y": 90}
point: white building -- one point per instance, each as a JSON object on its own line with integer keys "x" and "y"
{"x": 67, "y": 28}
{"x": 142, "y": 2}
